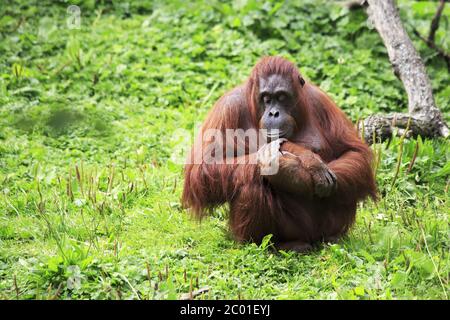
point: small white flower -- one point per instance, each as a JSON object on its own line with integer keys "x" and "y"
{"x": 380, "y": 216}
{"x": 79, "y": 202}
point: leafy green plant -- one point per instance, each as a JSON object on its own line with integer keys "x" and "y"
{"x": 89, "y": 191}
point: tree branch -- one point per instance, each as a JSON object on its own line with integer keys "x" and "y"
{"x": 423, "y": 117}
{"x": 433, "y": 28}
{"x": 435, "y": 22}
{"x": 433, "y": 46}
{"x": 377, "y": 128}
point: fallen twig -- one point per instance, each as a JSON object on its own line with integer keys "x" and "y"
{"x": 191, "y": 295}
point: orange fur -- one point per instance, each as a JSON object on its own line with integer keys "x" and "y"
{"x": 257, "y": 206}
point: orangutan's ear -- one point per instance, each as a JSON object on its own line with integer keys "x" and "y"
{"x": 301, "y": 80}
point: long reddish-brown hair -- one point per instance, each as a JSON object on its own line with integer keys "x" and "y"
{"x": 256, "y": 208}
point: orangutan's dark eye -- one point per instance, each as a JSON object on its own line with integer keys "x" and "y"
{"x": 281, "y": 97}
{"x": 266, "y": 99}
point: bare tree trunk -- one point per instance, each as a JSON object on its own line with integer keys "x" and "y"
{"x": 423, "y": 117}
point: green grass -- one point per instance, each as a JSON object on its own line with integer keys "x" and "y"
{"x": 89, "y": 195}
